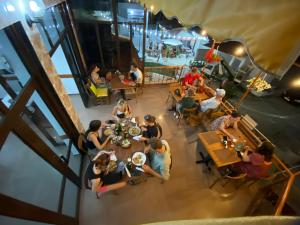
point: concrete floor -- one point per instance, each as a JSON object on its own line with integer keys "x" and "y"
{"x": 185, "y": 196}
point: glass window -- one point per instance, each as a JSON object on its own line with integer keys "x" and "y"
{"x": 26, "y": 176}
{"x": 75, "y": 160}
{"x": 38, "y": 116}
{"x": 130, "y": 12}
{"x": 44, "y": 36}
{"x": 13, "y": 74}
{"x": 15, "y": 221}
{"x": 50, "y": 26}
{"x": 70, "y": 199}
{"x": 59, "y": 21}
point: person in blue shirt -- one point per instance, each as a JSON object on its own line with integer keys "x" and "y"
{"x": 159, "y": 154}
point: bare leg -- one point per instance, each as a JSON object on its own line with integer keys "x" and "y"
{"x": 112, "y": 187}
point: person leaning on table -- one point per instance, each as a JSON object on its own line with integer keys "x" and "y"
{"x": 159, "y": 154}
{"x": 224, "y": 122}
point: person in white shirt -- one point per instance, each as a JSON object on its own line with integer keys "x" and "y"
{"x": 214, "y": 102}
{"x": 136, "y": 74}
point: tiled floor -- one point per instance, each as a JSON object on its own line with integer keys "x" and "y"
{"x": 185, "y": 196}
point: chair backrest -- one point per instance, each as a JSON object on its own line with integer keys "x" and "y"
{"x": 81, "y": 143}
{"x": 238, "y": 177}
{"x": 194, "y": 109}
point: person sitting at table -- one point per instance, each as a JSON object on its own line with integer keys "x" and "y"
{"x": 213, "y": 102}
{"x": 93, "y": 138}
{"x": 191, "y": 77}
{"x": 187, "y": 102}
{"x": 136, "y": 74}
{"x": 224, "y": 122}
{"x": 150, "y": 129}
{"x": 159, "y": 154}
{"x": 103, "y": 174}
{"x": 257, "y": 164}
{"x": 121, "y": 110}
{"x": 95, "y": 75}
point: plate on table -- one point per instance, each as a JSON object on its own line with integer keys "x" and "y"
{"x": 138, "y": 158}
{"x": 108, "y": 132}
{"x": 125, "y": 143}
{"x": 134, "y": 131}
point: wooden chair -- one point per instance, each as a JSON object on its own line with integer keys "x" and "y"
{"x": 186, "y": 113}
{"x": 99, "y": 96}
{"x": 228, "y": 178}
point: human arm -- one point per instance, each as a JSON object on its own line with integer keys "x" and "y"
{"x": 210, "y": 91}
{"x": 114, "y": 113}
{"x": 95, "y": 141}
{"x": 95, "y": 78}
{"x": 149, "y": 170}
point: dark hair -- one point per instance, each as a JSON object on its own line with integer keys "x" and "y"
{"x": 93, "y": 126}
{"x": 235, "y": 114}
{"x": 93, "y": 66}
{"x": 134, "y": 65}
{"x": 149, "y": 118}
{"x": 266, "y": 149}
{"x": 155, "y": 143}
{"x": 194, "y": 69}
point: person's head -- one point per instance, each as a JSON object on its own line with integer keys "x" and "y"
{"x": 149, "y": 120}
{"x": 235, "y": 116}
{"x": 134, "y": 67}
{"x": 266, "y": 149}
{"x": 156, "y": 144}
{"x": 220, "y": 93}
{"x": 190, "y": 92}
{"x": 94, "y": 68}
{"x": 94, "y": 125}
{"x": 102, "y": 161}
{"x": 121, "y": 103}
{"x": 194, "y": 70}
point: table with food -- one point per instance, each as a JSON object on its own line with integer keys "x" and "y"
{"x": 126, "y": 143}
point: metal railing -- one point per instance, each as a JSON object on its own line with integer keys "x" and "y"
{"x": 162, "y": 74}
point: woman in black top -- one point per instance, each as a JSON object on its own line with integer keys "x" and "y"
{"x": 150, "y": 129}
{"x": 93, "y": 138}
{"x": 101, "y": 178}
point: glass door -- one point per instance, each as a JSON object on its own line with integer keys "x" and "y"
{"x": 40, "y": 163}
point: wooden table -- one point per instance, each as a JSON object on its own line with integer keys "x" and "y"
{"x": 220, "y": 155}
{"x": 198, "y": 96}
{"x": 124, "y": 153}
{"x": 116, "y": 84}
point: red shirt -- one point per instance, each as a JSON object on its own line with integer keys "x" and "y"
{"x": 189, "y": 78}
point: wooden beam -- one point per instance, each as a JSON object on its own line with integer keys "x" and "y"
{"x": 144, "y": 41}
{"x": 115, "y": 18}
{"x": 22, "y": 210}
{"x": 99, "y": 44}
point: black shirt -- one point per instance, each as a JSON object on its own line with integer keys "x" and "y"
{"x": 151, "y": 131}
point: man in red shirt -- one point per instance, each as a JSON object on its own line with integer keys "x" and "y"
{"x": 190, "y": 77}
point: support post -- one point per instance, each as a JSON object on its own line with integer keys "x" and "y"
{"x": 144, "y": 41}
{"x": 115, "y": 18}
{"x": 238, "y": 104}
{"x": 131, "y": 42}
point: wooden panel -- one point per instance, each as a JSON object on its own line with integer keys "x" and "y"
{"x": 198, "y": 96}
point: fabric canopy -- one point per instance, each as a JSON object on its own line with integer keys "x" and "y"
{"x": 269, "y": 29}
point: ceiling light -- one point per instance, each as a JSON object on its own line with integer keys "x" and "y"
{"x": 10, "y": 8}
{"x": 34, "y": 6}
{"x": 151, "y": 7}
{"x": 203, "y": 32}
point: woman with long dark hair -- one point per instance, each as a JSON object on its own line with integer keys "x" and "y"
{"x": 93, "y": 136}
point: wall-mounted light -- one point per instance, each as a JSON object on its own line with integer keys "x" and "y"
{"x": 10, "y": 8}
{"x": 151, "y": 8}
{"x": 34, "y": 6}
{"x": 239, "y": 51}
{"x": 296, "y": 83}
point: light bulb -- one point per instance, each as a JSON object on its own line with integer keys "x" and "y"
{"x": 34, "y": 6}
{"x": 10, "y": 8}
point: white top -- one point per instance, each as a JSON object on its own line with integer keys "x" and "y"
{"x": 210, "y": 103}
{"x": 139, "y": 75}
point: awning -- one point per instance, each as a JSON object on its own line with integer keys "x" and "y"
{"x": 173, "y": 42}
{"x": 269, "y": 29}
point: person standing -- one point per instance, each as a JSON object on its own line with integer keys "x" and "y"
{"x": 136, "y": 74}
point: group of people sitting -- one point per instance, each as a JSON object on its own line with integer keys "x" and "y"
{"x": 105, "y": 172}
{"x": 255, "y": 162}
